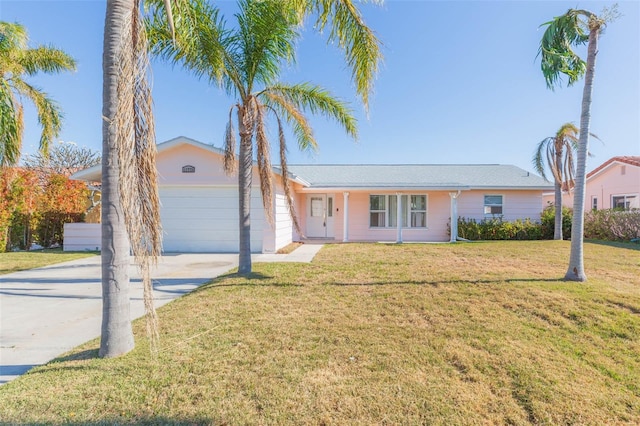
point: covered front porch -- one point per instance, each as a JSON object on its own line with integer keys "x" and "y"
{"x": 372, "y": 215}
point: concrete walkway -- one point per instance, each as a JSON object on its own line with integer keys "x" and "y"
{"x": 48, "y": 311}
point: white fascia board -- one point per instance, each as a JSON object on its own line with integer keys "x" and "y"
{"x": 511, "y": 188}
{"x": 329, "y": 189}
{"x": 92, "y": 174}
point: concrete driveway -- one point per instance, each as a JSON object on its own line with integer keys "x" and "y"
{"x": 48, "y": 311}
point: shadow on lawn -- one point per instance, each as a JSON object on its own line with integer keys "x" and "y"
{"x": 445, "y": 282}
{"x": 254, "y": 279}
{"x": 617, "y": 244}
{"x": 133, "y": 419}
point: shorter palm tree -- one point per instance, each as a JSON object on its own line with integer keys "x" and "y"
{"x": 17, "y": 60}
{"x": 558, "y": 151}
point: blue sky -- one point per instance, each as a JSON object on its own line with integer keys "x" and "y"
{"x": 460, "y": 83}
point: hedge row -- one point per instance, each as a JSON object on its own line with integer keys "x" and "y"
{"x": 610, "y": 225}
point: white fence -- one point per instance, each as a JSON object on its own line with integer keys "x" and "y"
{"x": 82, "y": 237}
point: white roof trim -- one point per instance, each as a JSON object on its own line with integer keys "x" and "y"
{"x": 94, "y": 173}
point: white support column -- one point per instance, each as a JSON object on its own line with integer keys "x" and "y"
{"x": 399, "y": 217}
{"x": 454, "y": 215}
{"x": 345, "y": 214}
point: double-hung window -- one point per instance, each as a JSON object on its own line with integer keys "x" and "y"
{"x": 377, "y": 211}
{"x": 383, "y": 211}
{"x": 493, "y": 205}
{"x": 418, "y": 211}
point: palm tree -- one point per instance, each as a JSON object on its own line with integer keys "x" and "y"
{"x": 576, "y": 27}
{"x": 246, "y": 61}
{"x": 130, "y": 202}
{"x": 558, "y": 151}
{"x": 18, "y": 61}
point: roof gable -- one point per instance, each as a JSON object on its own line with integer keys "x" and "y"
{"x": 627, "y": 159}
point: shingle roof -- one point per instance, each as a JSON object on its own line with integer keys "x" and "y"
{"x": 429, "y": 176}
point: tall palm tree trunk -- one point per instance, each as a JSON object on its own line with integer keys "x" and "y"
{"x": 245, "y": 174}
{"x": 575, "y": 271}
{"x": 117, "y": 335}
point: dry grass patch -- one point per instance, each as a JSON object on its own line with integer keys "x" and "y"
{"x": 22, "y": 260}
{"x": 481, "y": 333}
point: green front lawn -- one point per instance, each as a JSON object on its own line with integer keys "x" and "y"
{"x": 479, "y": 333}
{"x": 21, "y": 260}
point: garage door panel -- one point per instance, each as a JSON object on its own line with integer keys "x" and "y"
{"x": 205, "y": 219}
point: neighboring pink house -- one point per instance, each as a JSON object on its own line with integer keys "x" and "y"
{"x": 613, "y": 184}
{"x": 336, "y": 202}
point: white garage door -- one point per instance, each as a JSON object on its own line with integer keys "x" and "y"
{"x": 205, "y": 219}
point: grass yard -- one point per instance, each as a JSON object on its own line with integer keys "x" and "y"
{"x": 481, "y": 333}
{"x": 21, "y": 260}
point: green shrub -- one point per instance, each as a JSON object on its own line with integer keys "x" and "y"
{"x": 612, "y": 224}
{"x": 548, "y": 221}
{"x": 497, "y": 229}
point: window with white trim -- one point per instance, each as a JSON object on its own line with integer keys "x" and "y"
{"x": 594, "y": 203}
{"x": 418, "y": 211}
{"x": 383, "y": 211}
{"x": 625, "y": 202}
{"x": 493, "y": 205}
{"x": 377, "y": 211}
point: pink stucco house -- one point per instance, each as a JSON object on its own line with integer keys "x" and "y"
{"x": 336, "y": 202}
{"x": 613, "y": 184}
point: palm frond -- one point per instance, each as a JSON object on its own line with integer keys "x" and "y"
{"x": 138, "y": 179}
{"x": 230, "y": 161}
{"x": 199, "y": 41}
{"x": 266, "y": 37}
{"x": 12, "y": 125}
{"x": 559, "y": 152}
{"x": 45, "y": 59}
{"x": 538, "y": 161}
{"x": 13, "y": 36}
{"x": 557, "y": 56}
{"x": 314, "y": 99}
{"x": 286, "y": 184}
{"x": 361, "y": 47}
{"x": 263, "y": 157}
{"x": 49, "y": 113}
{"x": 301, "y": 127}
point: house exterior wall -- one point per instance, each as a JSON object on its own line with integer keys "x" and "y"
{"x": 82, "y": 237}
{"x": 516, "y": 205}
{"x": 617, "y": 179}
{"x": 281, "y": 233}
{"x": 548, "y": 199}
{"x": 200, "y": 207}
{"x": 359, "y": 219}
{"x": 604, "y": 185}
{"x": 208, "y": 167}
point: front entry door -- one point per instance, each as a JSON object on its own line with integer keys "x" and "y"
{"x": 319, "y": 216}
